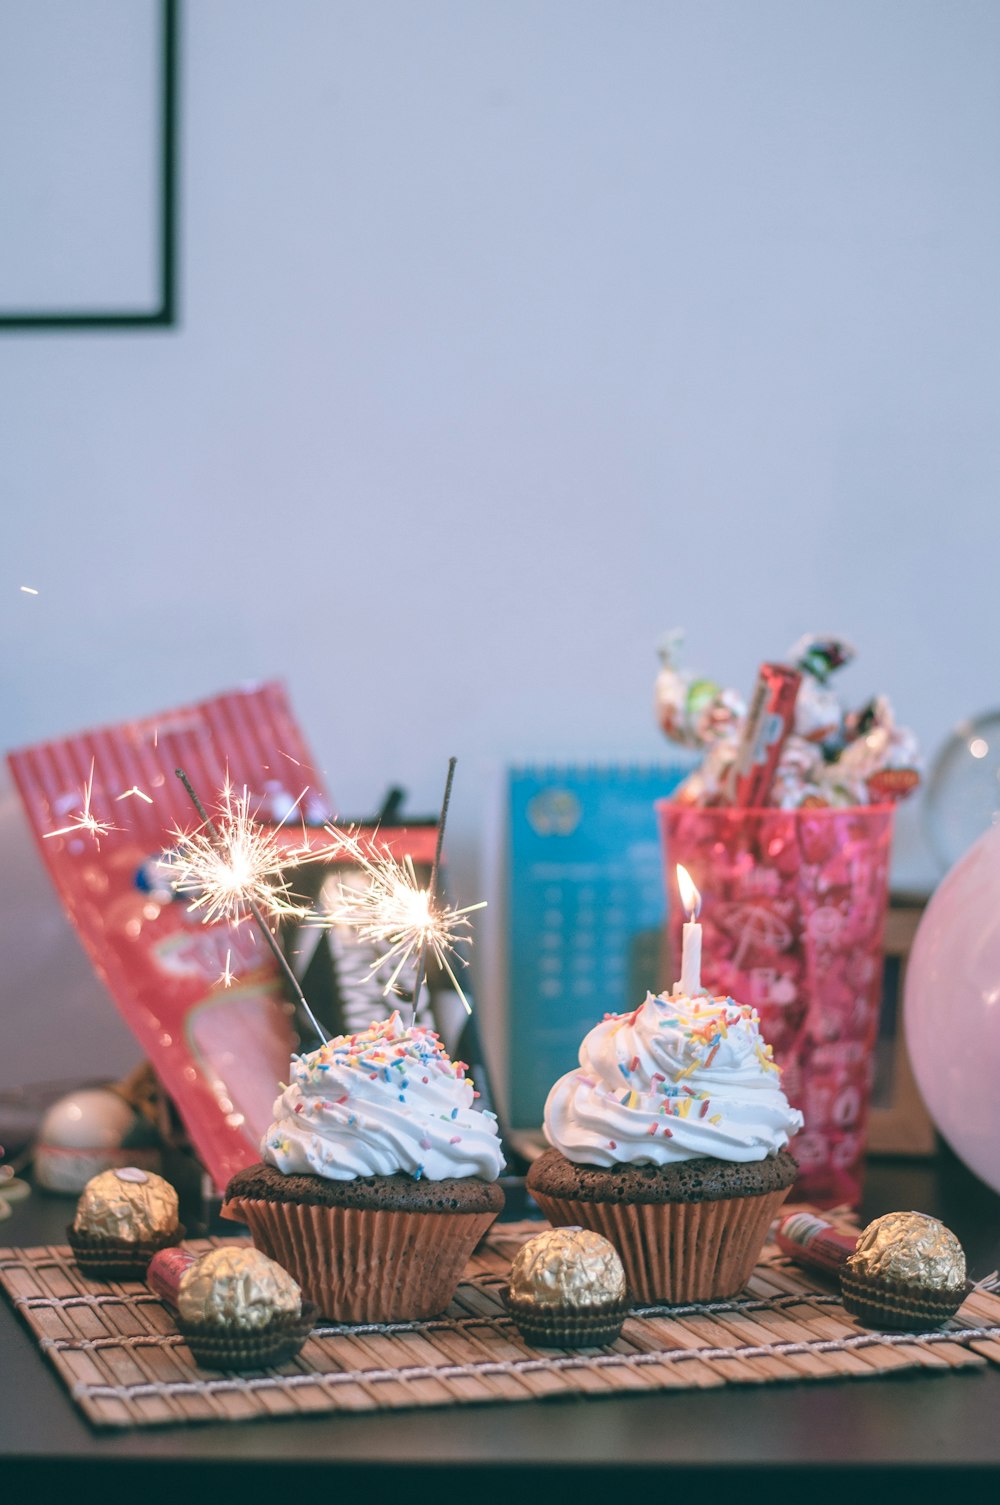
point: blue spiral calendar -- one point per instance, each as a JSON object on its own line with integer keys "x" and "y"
{"x": 585, "y": 908}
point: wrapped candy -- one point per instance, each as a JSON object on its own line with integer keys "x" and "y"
{"x": 819, "y": 656}
{"x": 123, "y": 1217}
{"x": 882, "y": 761}
{"x": 813, "y": 1241}
{"x": 764, "y": 733}
{"x": 236, "y": 1308}
{"x": 908, "y": 1271}
{"x": 567, "y": 1289}
{"x": 796, "y": 747}
{"x": 692, "y": 711}
{"x": 236, "y": 1288}
{"x": 128, "y": 1204}
{"x": 707, "y": 784}
{"x": 911, "y": 1247}
{"x": 818, "y": 714}
{"x": 798, "y": 777}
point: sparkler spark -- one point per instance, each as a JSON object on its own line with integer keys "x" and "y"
{"x": 86, "y": 820}
{"x": 134, "y": 790}
{"x": 238, "y": 864}
{"x": 237, "y": 822}
{"x": 395, "y": 913}
{"x": 232, "y": 867}
{"x": 226, "y": 975}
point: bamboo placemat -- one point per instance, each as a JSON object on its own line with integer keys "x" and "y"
{"x": 117, "y": 1349}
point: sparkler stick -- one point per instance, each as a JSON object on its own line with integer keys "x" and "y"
{"x": 432, "y": 887}
{"x": 256, "y": 912}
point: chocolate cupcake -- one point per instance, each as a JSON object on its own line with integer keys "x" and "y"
{"x": 906, "y": 1273}
{"x": 670, "y": 1140}
{"x": 122, "y": 1218}
{"x": 567, "y": 1290}
{"x": 379, "y": 1176}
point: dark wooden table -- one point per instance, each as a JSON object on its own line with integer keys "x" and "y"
{"x": 832, "y": 1440}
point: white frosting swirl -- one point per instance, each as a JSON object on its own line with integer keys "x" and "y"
{"x": 676, "y": 1079}
{"x": 386, "y": 1100}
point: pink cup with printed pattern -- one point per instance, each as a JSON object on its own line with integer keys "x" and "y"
{"x": 793, "y": 914}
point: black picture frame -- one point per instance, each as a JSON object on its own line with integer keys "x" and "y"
{"x": 163, "y": 313}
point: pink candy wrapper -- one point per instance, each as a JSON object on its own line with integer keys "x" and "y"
{"x": 219, "y": 1052}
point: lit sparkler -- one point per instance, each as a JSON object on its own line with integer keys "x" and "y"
{"x": 230, "y": 864}
{"x": 400, "y": 918}
{"x": 236, "y": 863}
{"x": 86, "y": 820}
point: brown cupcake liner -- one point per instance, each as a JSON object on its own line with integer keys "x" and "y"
{"x": 677, "y": 1252}
{"x": 363, "y": 1264}
{"x": 891, "y": 1304}
{"x": 261, "y": 1348}
{"x": 566, "y": 1326}
{"x": 106, "y": 1258}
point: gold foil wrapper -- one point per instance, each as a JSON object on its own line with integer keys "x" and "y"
{"x": 568, "y": 1267}
{"x": 912, "y": 1249}
{"x": 239, "y": 1289}
{"x": 128, "y": 1204}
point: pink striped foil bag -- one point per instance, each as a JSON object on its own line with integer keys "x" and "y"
{"x": 218, "y": 1050}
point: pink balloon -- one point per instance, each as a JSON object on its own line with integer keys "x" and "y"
{"x": 952, "y": 1007}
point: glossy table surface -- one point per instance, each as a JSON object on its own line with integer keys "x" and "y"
{"x": 832, "y": 1436}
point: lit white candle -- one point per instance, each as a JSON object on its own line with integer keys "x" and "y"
{"x": 690, "y": 980}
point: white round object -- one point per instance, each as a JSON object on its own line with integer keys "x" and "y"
{"x": 82, "y": 1135}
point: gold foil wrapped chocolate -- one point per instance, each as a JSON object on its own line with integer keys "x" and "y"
{"x": 910, "y": 1248}
{"x": 239, "y": 1289}
{"x": 128, "y": 1204}
{"x": 568, "y": 1267}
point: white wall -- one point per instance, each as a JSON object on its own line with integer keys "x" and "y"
{"x": 513, "y": 333}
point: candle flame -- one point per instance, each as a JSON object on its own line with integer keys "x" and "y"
{"x": 690, "y": 896}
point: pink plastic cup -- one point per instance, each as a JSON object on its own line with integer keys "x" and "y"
{"x": 793, "y": 910}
